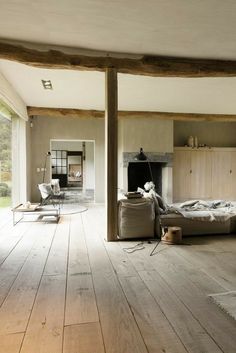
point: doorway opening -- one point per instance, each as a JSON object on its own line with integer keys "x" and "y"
{"x": 75, "y": 168}
{"x": 73, "y": 164}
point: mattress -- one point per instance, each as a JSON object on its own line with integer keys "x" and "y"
{"x": 196, "y": 227}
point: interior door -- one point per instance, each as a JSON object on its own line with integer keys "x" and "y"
{"x": 233, "y": 175}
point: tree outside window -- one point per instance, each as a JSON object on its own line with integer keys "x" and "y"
{"x": 5, "y": 162}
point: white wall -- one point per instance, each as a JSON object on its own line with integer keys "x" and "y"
{"x": 12, "y": 98}
{"x": 89, "y": 165}
{"x": 74, "y": 159}
{"x": 20, "y": 138}
{"x": 20, "y": 162}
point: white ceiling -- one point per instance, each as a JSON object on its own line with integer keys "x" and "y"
{"x": 85, "y": 90}
{"x": 190, "y": 28}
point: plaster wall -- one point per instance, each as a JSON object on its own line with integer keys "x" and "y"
{"x": 67, "y": 145}
{"x": 213, "y": 134}
{"x": 51, "y": 128}
{"x": 151, "y": 134}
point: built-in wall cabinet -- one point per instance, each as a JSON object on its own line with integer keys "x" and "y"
{"x": 204, "y": 173}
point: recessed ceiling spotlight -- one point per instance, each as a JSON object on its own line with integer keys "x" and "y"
{"x": 47, "y": 84}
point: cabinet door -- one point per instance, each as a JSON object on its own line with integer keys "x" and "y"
{"x": 221, "y": 175}
{"x": 233, "y": 176}
{"x": 181, "y": 175}
{"x": 200, "y": 186}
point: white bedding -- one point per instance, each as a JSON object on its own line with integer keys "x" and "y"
{"x": 217, "y": 210}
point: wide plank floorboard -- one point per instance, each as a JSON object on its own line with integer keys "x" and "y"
{"x": 119, "y": 328}
{"x": 63, "y": 289}
{"x": 81, "y": 306}
{"x": 11, "y": 343}
{"x": 15, "y": 310}
{"x": 86, "y": 338}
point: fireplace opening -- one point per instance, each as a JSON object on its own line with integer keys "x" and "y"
{"x": 139, "y": 173}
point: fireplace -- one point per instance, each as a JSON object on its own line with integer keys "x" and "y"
{"x": 141, "y": 172}
{"x": 137, "y": 173}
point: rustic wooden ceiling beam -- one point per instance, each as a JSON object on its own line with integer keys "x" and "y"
{"x": 99, "y": 114}
{"x": 138, "y": 65}
{"x": 65, "y": 112}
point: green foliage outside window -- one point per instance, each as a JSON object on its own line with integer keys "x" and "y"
{"x": 5, "y": 162}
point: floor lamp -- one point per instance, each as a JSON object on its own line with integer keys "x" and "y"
{"x": 45, "y": 163}
{"x": 142, "y": 157}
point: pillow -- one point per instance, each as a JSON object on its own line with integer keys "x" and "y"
{"x": 189, "y": 203}
{"x": 162, "y": 204}
{"x": 45, "y": 190}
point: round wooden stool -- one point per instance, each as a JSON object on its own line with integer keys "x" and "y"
{"x": 172, "y": 236}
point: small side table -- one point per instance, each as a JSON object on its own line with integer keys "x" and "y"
{"x": 44, "y": 214}
{"x": 172, "y": 236}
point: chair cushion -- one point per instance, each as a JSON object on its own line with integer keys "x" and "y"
{"x": 56, "y": 186}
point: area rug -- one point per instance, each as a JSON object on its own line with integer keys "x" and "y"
{"x": 67, "y": 209}
{"x": 226, "y": 301}
{"x": 72, "y": 209}
{"x": 78, "y": 196}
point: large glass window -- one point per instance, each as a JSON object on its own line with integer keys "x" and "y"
{"x": 5, "y": 162}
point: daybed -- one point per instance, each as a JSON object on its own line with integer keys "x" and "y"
{"x": 197, "y": 217}
{"x": 196, "y": 227}
{"x": 144, "y": 217}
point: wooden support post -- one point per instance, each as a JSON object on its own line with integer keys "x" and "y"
{"x": 111, "y": 153}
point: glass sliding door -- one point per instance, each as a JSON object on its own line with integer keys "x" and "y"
{"x": 5, "y": 162}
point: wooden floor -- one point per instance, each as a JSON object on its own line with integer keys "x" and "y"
{"x": 63, "y": 289}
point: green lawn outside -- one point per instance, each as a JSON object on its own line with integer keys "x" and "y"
{"x": 5, "y": 201}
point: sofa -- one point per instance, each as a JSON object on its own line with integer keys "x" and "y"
{"x": 144, "y": 218}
